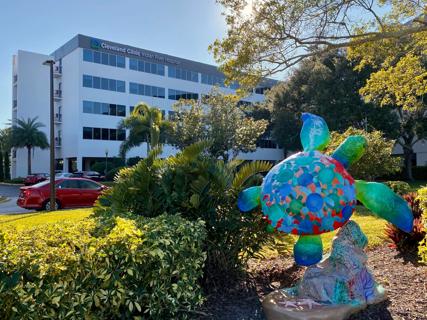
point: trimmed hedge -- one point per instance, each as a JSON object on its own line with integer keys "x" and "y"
{"x": 400, "y": 187}
{"x": 102, "y": 269}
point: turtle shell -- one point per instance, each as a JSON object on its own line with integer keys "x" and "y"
{"x": 308, "y": 193}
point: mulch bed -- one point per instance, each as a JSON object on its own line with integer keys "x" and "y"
{"x": 404, "y": 279}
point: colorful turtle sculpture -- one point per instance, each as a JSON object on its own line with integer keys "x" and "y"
{"x": 311, "y": 193}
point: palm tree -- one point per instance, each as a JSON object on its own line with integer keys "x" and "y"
{"x": 146, "y": 124}
{"x": 26, "y": 134}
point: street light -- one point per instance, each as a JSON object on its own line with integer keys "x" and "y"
{"x": 50, "y": 63}
{"x": 106, "y": 161}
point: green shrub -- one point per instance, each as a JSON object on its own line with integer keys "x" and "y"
{"x": 422, "y": 248}
{"x": 112, "y": 173}
{"x": 400, "y": 187}
{"x": 196, "y": 186}
{"x": 18, "y": 180}
{"x": 112, "y": 163}
{"x": 113, "y": 268}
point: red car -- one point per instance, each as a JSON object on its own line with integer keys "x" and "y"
{"x": 35, "y": 178}
{"x": 70, "y": 192}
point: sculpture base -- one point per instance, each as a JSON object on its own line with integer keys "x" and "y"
{"x": 280, "y": 305}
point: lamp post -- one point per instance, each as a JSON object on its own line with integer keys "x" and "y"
{"x": 106, "y": 161}
{"x": 50, "y": 63}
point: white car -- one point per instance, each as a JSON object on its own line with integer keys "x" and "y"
{"x": 62, "y": 175}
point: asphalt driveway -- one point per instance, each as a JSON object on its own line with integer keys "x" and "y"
{"x": 10, "y": 207}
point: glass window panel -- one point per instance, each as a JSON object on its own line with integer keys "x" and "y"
{"x": 97, "y": 57}
{"x": 154, "y": 68}
{"x": 105, "y": 109}
{"x": 113, "y": 134}
{"x": 178, "y": 73}
{"x": 148, "y": 91}
{"x": 87, "y": 81}
{"x": 87, "y": 133}
{"x": 88, "y": 185}
{"x": 96, "y": 133}
{"x": 154, "y": 91}
{"x": 104, "y": 134}
{"x": 96, "y": 82}
{"x": 141, "y": 65}
{"x": 172, "y": 72}
{"x": 161, "y": 70}
{"x": 112, "y": 85}
{"x": 87, "y": 106}
{"x": 121, "y": 86}
{"x": 113, "y": 60}
{"x": 131, "y": 109}
{"x": 97, "y": 108}
{"x": 121, "y": 62}
{"x": 121, "y": 134}
{"x": 133, "y": 64}
{"x": 121, "y": 110}
{"x": 104, "y": 83}
{"x": 87, "y": 55}
{"x": 141, "y": 89}
{"x": 195, "y": 76}
{"x": 113, "y": 110}
{"x": 104, "y": 58}
{"x": 161, "y": 92}
{"x": 147, "y": 67}
{"x": 133, "y": 88}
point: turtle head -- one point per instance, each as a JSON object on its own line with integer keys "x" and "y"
{"x": 350, "y": 150}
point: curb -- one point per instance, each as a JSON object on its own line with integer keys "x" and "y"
{"x": 11, "y": 184}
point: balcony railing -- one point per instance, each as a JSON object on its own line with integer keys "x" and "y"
{"x": 57, "y": 71}
{"x": 57, "y": 94}
{"x": 58, "y": 117}
{"x": 58, "y": 142}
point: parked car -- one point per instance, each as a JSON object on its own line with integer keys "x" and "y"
{"x": 60, "y": 175}
{"x": 92, "y": 175}
{"x": 70, "y": 192}
{"x": 35, "y": 178}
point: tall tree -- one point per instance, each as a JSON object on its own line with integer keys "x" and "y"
{"x": 145, "y": 124}
{"x": 26, "y": 134}
{"x": 265, "y": 37}
{"x": 219, "y": 118}
{"x": 5, "y": 147}
{"x": 398, "y": 81}
{"x": 328, "y": 86}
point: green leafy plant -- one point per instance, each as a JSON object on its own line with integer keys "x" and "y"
{"x": 111, "y": 268}
{"x": 196, "y": 186}
{"x": 422, "y": 248}
{"x": 400, "y": 187}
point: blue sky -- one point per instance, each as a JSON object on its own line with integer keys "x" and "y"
{"x": 183, "y": 28}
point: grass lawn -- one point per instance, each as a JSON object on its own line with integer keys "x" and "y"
{"x": 372, "y": 226}
{"x": 28, "y": 220}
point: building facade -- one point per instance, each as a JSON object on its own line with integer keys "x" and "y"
{"x": 96, "y": 84}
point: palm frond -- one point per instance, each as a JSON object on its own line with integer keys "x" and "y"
{"x": 248, "y": 170}
{"x": 194, "y": 150}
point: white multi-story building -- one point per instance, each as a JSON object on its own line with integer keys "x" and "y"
{"x": 96, "y": 84}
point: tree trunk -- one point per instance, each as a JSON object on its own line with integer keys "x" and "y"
{"x": 29, "y": 160}
{"x": 408, "y": 152}
{"x": 148, "y": 144}
{"x": 6, "y": 166}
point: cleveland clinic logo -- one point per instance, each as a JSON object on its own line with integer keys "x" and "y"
{"x": 95, "y": 44}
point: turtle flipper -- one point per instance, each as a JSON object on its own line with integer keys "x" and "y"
{"x": 249, "y": 198}
{"x": 308, "y": 250}
{"x": 314, "y": 133}
{"x": 350, "y": 150}
{"x": 382, "y": 201}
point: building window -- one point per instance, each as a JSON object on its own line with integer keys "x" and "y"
{"x": 266, "y": 143}
{"x": 178, "y": 94}
{"x": 103, "y": 83}
{"x": 144, "y": 66}
{"x": 108, "y": 109}
{"x": 104, "y": 58}
{"x": 90, "y": 133}
{"x": 146, "y": 90}
{"x": 183, "y": 74}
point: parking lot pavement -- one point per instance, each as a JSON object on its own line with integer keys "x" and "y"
{"x": 10, "y": 206}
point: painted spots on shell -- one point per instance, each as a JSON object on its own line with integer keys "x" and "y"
{"x": 308, "y": 193}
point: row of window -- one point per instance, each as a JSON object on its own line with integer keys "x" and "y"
{"x": 178, "y": 94}
{"x": 183, "y": 74}
{"x": 104, "y": 58}
{"x": 103, "y": 83}
{"x": 146, "y": 90}
{"x": 213, "y": 80}
{"x": 144, "y": 66}
{"x": 109, "y": 109}
{"x": 90, "y": 133}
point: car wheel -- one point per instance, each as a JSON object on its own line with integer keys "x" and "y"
{"x": 47, "y": 205}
